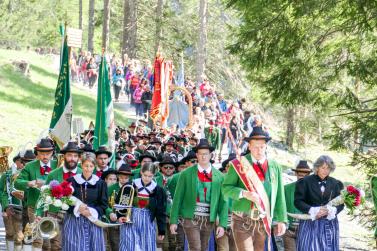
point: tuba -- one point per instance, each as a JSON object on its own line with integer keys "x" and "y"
{"x": 123, "y": 206}
{"x": 4, "y": 153}
{"x": 47, "y": 228}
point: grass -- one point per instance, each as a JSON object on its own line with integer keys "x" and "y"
{"x": 26, "y": 103}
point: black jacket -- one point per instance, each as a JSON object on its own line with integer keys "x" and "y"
{"x": 94, "y": 196}
{"x": 308, "y": 192}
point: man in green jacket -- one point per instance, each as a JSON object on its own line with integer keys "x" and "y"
{"x": 70, "y": 168}
{"x": 256, "y": 187}
{"x": 33, "y": 177}
{"x": 374, "y": 195}
{"x": 301, "y": 170}
{"x": 198, "y": 199}
{"x": 11, "y": 205}
{"x": 185, "y": 163}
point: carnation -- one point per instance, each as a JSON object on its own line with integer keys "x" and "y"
{"x": 57, "y": 203}
{"x": 57, "y": 192}
{"x": 65, "y": 206}
{"x": 67, "y": 191}
{"x": 48, "y": 200}
{"x": 45, "y": 188}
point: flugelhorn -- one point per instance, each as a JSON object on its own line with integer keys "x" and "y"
{"x": 4, "y": 153}
{"x": 123, "y": 206}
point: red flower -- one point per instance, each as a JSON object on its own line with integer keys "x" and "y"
{"x": 357, "y": 201}
{"x": 65, "y": 184}
{"x": 57, "y": 192}
{"x": 353, "y": 190}
{"x": 67, "y": 191}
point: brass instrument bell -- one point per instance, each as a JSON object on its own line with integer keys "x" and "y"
{"x": 4, "y": 154}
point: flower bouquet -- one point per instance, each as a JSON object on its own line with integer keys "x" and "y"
{"x": 352, "y": 197}
{"x": 56, "y": 194}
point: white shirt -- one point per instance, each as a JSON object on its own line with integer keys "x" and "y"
{"x": 43, "y": 164}
{"x": 260, "y": 161}
{"x": 201, "y": 169}
{"x": 104, "y": 170}
{"x": 65, "y": 170}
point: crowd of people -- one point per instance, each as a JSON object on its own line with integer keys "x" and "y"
{"x": 176, "y": 196}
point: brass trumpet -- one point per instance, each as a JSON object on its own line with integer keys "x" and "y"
{"x": 124, "y": 200}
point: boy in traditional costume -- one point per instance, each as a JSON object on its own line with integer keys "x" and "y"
{"x": 123, "y": 174}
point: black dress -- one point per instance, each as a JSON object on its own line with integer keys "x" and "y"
{"x": 79, "y": 232}
{"x": 317, "y": 234}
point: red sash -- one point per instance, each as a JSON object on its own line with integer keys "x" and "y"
{"x": 251, "y": 187}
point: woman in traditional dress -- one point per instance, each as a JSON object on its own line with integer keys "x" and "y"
{"x": 149, "y": 204}
{"x": 312, "y": 195}
{"x": 79, "y": 233}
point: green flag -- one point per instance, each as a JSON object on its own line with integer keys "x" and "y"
{"x": 104, "y": 131}
{"x": 60, "y": 126}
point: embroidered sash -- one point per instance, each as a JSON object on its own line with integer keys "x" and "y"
{"x": 253, "y": 184}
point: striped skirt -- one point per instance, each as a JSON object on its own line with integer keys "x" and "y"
{"x": 318, "y": 235}
{"x": 140, "y": 235}
{"x": 81, "y": 234}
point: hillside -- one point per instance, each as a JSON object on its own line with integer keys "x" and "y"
{"x": 27, "y": 102}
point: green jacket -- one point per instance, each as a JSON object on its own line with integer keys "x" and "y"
{"x": 110, "y": 190}
{"x": 374, "y": 195}
{"x": 232, "y": 187}
{"x": 214, "y": 138}
{"x": 185, "y": 195}
{"x": 4, "y": 200}
{"x": 172, "y": 184}
{"x": 56, "y": 174}
{"x": 31, "y": 172}
{"x": 289, "y": 191}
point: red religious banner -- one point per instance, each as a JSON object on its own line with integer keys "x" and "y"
{"x": 163, "y": 75}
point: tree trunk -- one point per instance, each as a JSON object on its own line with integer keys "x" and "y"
{"x": 80, "y": 14}
{"x": 129, "y": 28}
{"x": 10, "y": 6}
{"x": 356, "y": 136}
{"x": 202, "y": 41}
{"x": 91, "y": 25}
{"x": 106, "y": 24}
{"x": 290, "y": 134}
{"x": 159, "y": 8}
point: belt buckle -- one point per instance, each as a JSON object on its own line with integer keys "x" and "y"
{"x": 254, "y": 215}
